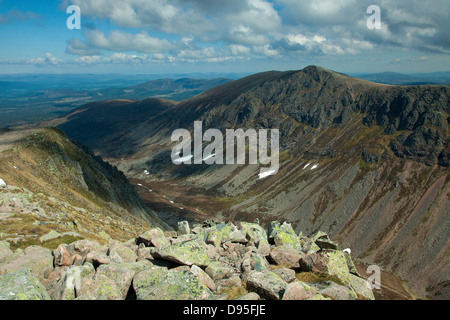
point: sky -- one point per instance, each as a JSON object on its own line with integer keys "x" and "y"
{"x": 241, "y": 36}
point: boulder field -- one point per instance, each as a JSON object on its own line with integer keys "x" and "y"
{"x": 209, "y": 261}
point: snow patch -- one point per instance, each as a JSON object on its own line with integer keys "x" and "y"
{"x": 306, "y": 166}
{"x": 314, "y": 166}
{"x": 181, "y": 160}
{"x": 267, "y": 173}
{"x": 2, "y": 183}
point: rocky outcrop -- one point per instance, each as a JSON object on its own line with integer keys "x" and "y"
{"x": 184, "y": 266}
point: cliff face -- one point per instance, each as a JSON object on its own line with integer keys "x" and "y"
{"x": 365, "y": 162}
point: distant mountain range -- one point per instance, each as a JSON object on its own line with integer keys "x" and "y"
{"x": 25, "y": 99}
{"x": 367, "y": 163}
{"x": 437, "y": 78}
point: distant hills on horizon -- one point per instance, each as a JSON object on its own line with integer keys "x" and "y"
{"x": 26, "y": 98}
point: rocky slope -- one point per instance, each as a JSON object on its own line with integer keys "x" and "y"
{"x": 367, "y": 163}
{"x": 57, "y": 191}
{"x": 208, "y": 262}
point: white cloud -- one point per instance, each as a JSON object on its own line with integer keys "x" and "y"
{"x": 123, "y": 41}
{"x": 203, "y": 30}
{"x": 266, "y": 50}
{"x": 48, "y": 60}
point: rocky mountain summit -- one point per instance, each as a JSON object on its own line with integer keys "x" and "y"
{"x": 210, "y": 261}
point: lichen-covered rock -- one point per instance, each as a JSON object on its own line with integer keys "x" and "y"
{"x": 126, "y": 254}
{"x": 249, "y": 296}
{"x": 318, "y": 297}
{"x": 231, "y": 233}
{"x": 155, "y": 237}
{"x": 254, "y": 232}
{"x": 22, "y": 285}
{"x": 159, "y": 283}
{"x": 323, "y": 241}
{"x": 218, "y": 270}
{"x": 308, "y": 246}
{"x": 39, "y": 260}
{"x": 283, "y": 235}
{"x": 256, "y": 262}
{"x": 83, "y": 247}
{"x": 204, "y": 277}
{"x": 286, "y": 274}
{"x": 334, "y": 290}
{"x": 73, "y": 281}
{"x": 214, "y": 237}
{"x": 267, "y": 284}
{"x": 350, "y": 264}
{"x": 98, "y": 258}
{"x": 50, "y": 236}
{"x": 187, "y": 253}
{"x": 337, "y": 265}
{"x": 5, "y": 252}
{"x": 286, "y": 257}
{"x": 298, "y": 290}
{"x": 102, "y": 288}
{"x": 122, "y": 273}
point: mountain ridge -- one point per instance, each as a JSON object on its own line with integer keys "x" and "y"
{"x": 367, "y": 163}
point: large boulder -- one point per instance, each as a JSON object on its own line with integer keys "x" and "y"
{"x": 101, "y": 288}
{"x": 185, "y": 253}
{"x": 231, "y": 233}
{"x": 267, "y": 284}
{"x": 283, "y": 235}
{"x": 286, "y": 257}
{"x": 73, "y": 281}
{"x": 154, "y": 237}
{"x": 254, "y": 232}
{"x": 159, "y": 283}
{"x": 286, "y": 274}
{"x": 62, "y": 257}
{"x": 123, "y": 273}
{"x": 39, "y": 260}
{"x": 122, "y": 252}
{"x": 337, "y": 265}
{"x": 254, "y": 261}
{"x": 83, "y": 247}
{"x": 22, "y": 285}
{"x": 323, "y": 241}
{"x": 335, "y": 291}
{"x": 298, "y": 290}
{"x": 218, "y": 270}
{"x": 204, "y": 277}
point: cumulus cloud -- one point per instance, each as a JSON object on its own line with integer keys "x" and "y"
{"x": 49, "y": 59}
{"x": 194, "y": 30}
{"x": 123, "y": 41}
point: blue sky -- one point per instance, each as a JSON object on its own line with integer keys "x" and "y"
{"x": 245, "y": 36}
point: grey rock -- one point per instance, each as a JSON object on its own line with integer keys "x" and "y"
{"x": 267, "y": 284}
{"x": 22, "y": 285}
